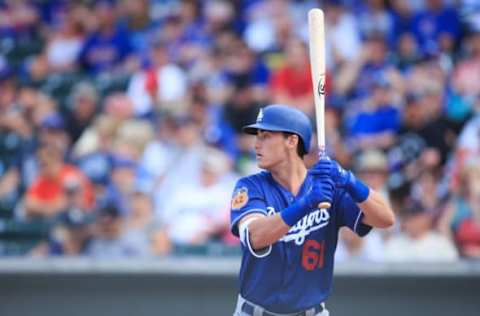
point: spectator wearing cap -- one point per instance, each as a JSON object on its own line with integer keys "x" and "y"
{"x": 418, "y": 241}
{"x": 110, "y": 240}
{"x": 52, "y": 132}
{"x": 48, "y": 194}
{"x": 122, "y": 183}
{"x": 70, "y": 237}
{"x": 372, "y": 167}
{"x": 140, "y": 226}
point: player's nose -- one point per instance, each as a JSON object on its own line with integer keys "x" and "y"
{"x": 257, "y": 144}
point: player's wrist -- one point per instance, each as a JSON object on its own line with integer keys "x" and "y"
{"x": 357, "y": 189}
{"x": 295, "y": 211}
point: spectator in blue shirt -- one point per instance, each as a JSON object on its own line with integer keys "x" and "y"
{"x": 107, "y": 47}
{"x": 375, "y": 126}
{"x": 437, "y": 27}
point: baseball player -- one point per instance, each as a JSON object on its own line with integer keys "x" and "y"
{"x": 288, "y": 242}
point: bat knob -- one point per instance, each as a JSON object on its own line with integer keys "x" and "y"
{"x": 324, "y": 205}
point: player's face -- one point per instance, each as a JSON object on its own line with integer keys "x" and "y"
{"x": 270, "y": 149}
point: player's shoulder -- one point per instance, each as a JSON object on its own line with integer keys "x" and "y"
{"x": 254, "y": 179}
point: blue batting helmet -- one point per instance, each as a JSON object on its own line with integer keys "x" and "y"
{"x": 282, "y": 118}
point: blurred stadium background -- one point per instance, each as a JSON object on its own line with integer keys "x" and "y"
{"x": 120, "y": 144}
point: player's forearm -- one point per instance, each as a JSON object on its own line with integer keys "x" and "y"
{"x": 265, "y": 231}
{"x": 377, "y": 212}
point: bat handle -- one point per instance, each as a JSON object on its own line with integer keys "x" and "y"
{"x": 324, "y": 205}
{"x": 322, "y": 154}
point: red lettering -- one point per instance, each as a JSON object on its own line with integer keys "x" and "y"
{"x": 313, "y": 254}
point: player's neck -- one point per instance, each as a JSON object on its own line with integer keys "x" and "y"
{"x": 290, "y": 175}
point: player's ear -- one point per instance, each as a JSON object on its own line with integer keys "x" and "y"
{"x": 292, "y": 141}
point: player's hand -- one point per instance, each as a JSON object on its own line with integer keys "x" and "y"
{"x": 332, "y": 169}
{"x": 342, "y": 178}
{"x": 323, "y": 189}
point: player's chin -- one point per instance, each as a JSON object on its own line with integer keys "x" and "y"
{"x": 262, "y": 163}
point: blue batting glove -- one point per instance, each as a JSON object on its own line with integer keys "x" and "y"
{"x": 358, "y": 190}
{"x": 322, "y": 191}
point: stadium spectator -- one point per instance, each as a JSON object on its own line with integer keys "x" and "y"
{"x": 461, "y": 219}
{"x": 375, "y": 18}
{"x": 375, "y": 125}
{"x": 466, "y": 74}
{"x": 357, "y": 78}
{"x": 436, "y": 27}
{"x": 161, "y": 86}
{"x": 64, "y": 42}
{"x": 52, "y": 132}
{"x": 352, "y": 248}
{"x": 50, "y": 192}
{"x": 107, "y": 48}
{"x": 292, "y": 82}
{"x": 188, "y": 148}
{"x": 84, "y": 99}
{"x": 198, "y": 212}
{"x": 110, "y": 237}
{"x": 70, "y": 237}
{"x": 418, "y": 242}
{"x": 343, "y": 35}
{"x": 372, "y": 167}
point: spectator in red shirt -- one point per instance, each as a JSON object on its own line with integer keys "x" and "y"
{"x": 57, "y": 187}
{"x": 463, "y": 214}
{"x": 292, "y": 83}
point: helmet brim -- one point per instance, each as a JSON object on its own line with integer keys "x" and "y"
{"x": 253, "y": 128}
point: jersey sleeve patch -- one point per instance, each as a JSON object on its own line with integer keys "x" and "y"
{"x": 240, "y": 198}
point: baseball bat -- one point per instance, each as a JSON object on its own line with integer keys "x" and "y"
{"x": 316, "y": 32}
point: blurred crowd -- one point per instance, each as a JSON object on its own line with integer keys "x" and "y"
{"x": 120, "y": 121}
